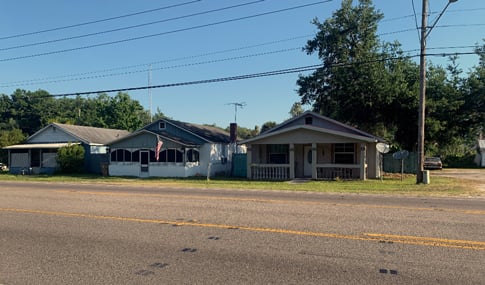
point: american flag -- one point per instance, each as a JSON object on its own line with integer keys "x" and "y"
{"x": 158, "y": 147}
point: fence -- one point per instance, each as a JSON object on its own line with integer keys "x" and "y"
{"x": 392, "y": 165}
{"x": 239, "y": 167}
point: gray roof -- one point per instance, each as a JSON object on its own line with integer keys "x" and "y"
{"x": 93, "y": 135}
{"x": 209, "y": 133}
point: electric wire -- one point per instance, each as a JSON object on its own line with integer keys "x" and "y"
{"x": 416, "y": 20}
{"x": 97, "y": 21}
{"x": 165, "y": 33}
{"x": 246, "y": 76}
{"x": 16, "y": 83}
{"x": 159, "y": 68}
{"x": 130, "y": 27}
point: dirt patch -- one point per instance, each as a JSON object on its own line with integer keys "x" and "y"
{"x": 473, "y": 176}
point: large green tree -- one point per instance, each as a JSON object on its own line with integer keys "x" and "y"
{"x": 362, "y": 82}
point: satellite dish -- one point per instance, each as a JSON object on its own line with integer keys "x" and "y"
{"x": 402, "y": 154}
{"x": 382, "y": 147}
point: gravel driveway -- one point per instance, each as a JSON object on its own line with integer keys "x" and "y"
{"x": 475, "y": 176}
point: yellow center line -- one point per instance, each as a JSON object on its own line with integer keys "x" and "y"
{"x": 454, "y": 243}
{"x": 469, "y": 212}
{"x": 414, "y": 240}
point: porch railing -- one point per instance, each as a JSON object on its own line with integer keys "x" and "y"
{"x": 338, "y": 171}
{"x": 270, "y": 171}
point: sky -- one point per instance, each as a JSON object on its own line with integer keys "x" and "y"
{"x": 67, "y": 47}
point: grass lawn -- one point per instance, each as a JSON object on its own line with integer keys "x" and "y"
{"x": 391, "y": 184}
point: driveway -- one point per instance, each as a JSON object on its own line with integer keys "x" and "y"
{"x": 475, "y": 176}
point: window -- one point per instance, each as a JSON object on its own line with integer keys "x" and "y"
{"x": 163, "y": 156}
{"x": 174, "y": 155}
{"x": 135, "y": 156}
{"x": 344, "y": 153}
{"x": 192, "y": 155}
{"x": 126, "y": 155}
{"x": 152, "y": 156}
{"x": 308, "y": 120}
{"x": 161, "y": 125}
{"x": 278, "y": 153}
{"x": 121, "y": 155}
{"x": 113, "y": 155}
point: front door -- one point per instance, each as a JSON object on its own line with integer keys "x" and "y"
{"x": 307, "y": 161}
{"x": 144, "y": 159}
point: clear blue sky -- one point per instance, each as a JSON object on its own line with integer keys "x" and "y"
{"x": 185, "y": 47}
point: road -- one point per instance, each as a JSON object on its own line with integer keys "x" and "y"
{"x": 54, "y": 233}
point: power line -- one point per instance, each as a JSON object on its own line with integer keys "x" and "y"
{"x": 249, "y": 76}
{"x": 130, "y": 27}
{"x": 81, "y": 77}
{"x": 16, "y": 83}
{"x": 165, "y": 33}
{"x": 97, "y": 21}
{"x": 152, "y": 69}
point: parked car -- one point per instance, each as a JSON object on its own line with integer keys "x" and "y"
{"x": 433, "y": 163}
{"x": 3, "y": 167}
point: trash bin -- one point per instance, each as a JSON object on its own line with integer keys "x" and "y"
{"x": 426, "y": 177}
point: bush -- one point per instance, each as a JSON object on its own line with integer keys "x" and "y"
{"x": 466, "y": 161}
{"x": 71, "y": 158}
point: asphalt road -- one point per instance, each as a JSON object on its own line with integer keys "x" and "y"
{"x": 111, "y": 234}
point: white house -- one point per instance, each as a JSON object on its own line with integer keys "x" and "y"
{"x": 169, "y": 148}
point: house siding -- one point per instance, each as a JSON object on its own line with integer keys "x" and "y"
{"x": 52, "y": 134}
{"x": 304, "y": 136}
{"x": 174, "y": 131}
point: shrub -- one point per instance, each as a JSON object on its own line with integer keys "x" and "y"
{"x": 71, "y": 158}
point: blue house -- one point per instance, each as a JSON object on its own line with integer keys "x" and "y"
{"x": 38, "y": 155}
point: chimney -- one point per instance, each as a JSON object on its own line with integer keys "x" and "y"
{"x": 233, "y": 132}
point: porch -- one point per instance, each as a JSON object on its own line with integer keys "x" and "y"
{"x": 325, "y": 161}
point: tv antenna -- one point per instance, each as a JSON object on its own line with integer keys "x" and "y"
{"x": 236, "y": 105}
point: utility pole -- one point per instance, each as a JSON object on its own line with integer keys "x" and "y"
{"x": 150, "y": 90}
{"x": 425, "y": 31}
{"x": 422, "y": 93}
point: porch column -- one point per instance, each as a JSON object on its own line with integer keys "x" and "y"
{"x": 363, "y": 161}
{"x": 314, "y": 161}
{"x": 248, "y": 161}
{"x": 292, "y": 161}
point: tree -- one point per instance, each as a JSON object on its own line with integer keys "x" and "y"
{"x": 268, "y": 125}
{"x": 31, "y": 110}
{"x": 71, "y": 158}
{"x": 125, "y": 113}
{"x": 363, "y": 82}
{"x": 473, "y": 108}
{"x": 296, "y": 110}
{"x": 345, "y": 88}
{"x": 159, "y": 115}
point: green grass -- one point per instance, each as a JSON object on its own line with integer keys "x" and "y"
{"x": 439, "y": 186}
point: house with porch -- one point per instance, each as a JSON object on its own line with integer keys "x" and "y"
{"x": 38, "y": 155}
{"x": 169, "y": 148}
{"x": 315, "y": 147}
